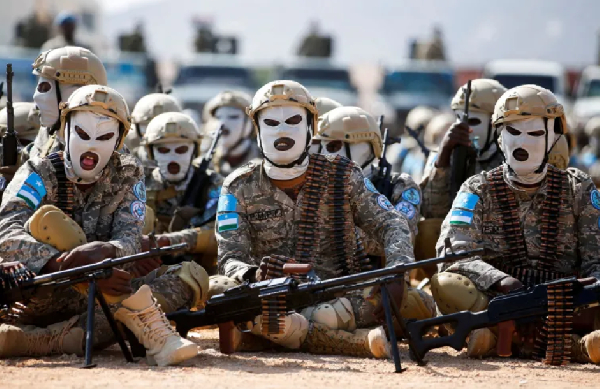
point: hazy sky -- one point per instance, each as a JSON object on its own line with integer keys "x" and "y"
{"x": 373, "y": 31}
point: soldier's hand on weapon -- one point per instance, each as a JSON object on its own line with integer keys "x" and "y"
{"x": 396, "y": 290}
{"x": 507, "y": 285}
{"x": 143, "y": 267}
{"x": 118, "y": 284}
{"x": 457, "y": 135}
{"x": 8, "y": 172}
{"x": 86, "y": 254}
{"x": 272, "y": 267}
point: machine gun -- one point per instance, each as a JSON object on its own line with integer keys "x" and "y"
{"x": 245, "y": 302}
{"x": 460, "y": 162}
{"x": 382, "y": 180}
{"x": 413, "y": 134}
{"x": 10, "y": 142}
{"x": 18, "y": 284}
{"x": 554, "y": 301}
{"x": 194, "y": 199}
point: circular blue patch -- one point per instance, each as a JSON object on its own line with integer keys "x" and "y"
{"x": 595, "y": 197}
{"x": 370, "y": 187}
{"x": 407, "y": 209}
{"x": 138, "y": 210}
{"x": 412, "y": 195}
{"x": 384, "y": 203}
{"x": 139, "y": 190}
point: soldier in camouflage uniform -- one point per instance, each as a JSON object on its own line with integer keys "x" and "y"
{"x": 172, "y": 141}
{"x": 540, "y": 223}
{"x": 591, "y": 152}
{"x": 146, "y": 109}
{"x": 61, "y": 72}
{"x": 477, "y": 132}
{"x": 90, "y": 193}
{"x": 287, "y": 206}
{"x": 27, "y": 125}
{"x": 324, "y": 105}
{"x": 236, "y": 146}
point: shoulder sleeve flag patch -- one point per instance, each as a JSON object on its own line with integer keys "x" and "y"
{"x": 465, "y": 200}
{"x": 459, "y": 217}
{"x": 227, "y": 222}
{"x": 227, "y": 203}
{"x": 35, "y": 181}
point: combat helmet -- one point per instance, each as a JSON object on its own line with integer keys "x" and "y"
{"x": 70, "y": 65}
{"x": 27, "y": 122}
{"x": 325, "y": 104}
{"x": 592, "y": 127}
{"x": 350, "y": 125}
{"x": 484, "y": 95}
{"x": 101, "y": 100}
{"x": 171, "y": 127}
{"x": 235, "y": 99}
{"x": 283, "y": 93}
{"x": 419, "y": 117}
{"x": 150, "y": 106}
{"x": 527, "y": 101}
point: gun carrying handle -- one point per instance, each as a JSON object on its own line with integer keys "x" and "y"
{"x": 506, "y": 329}
{"x": 297, "y": 268}
{"x": 226, "y": 337}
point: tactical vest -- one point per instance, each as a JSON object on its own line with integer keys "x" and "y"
{"x": 342, "y": 242}
{"x": 65, "y": 189}
{"x": 515, "y": 261}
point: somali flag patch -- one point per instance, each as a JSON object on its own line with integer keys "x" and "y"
{"x": 227, "y": 222}
{"x": 227, "y": 203}
{"x": 30, "y": 196}
{"x": 35, "y": 181}
{"x": 465, "y": 200}
{"x": 458, "y": 217}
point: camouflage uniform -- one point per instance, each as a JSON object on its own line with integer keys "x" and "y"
{"x": 267, "y": 224}
{"x": 225, "y": 165}
{"x": 104, "y": 213}
{"x": 578, "y": 233}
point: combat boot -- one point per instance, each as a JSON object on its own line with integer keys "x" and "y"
{"x": 31, "y": 341}
{"x": 586, "y": 349}
{"x": 481, "y": 342}
{"x": 143, "y": 316}
{"x": 360, "y": 343}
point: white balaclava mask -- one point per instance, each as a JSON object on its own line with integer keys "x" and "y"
{"x": 173, "y": 159}
{"x": 525, "y": 144}
{"x": 46, "y": 99}
{"x": 283, "y": 138}
{"x": 91, "y": 139}
{"x": 479, "y": 122}
{"x": 236, "y": 127}
{"x": 361, "y": 153}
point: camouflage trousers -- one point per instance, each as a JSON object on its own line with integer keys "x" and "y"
{"x": 64, "y": 303}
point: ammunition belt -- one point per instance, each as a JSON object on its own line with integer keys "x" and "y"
{"x": 531, "y": 277}
{"x": 515, "y": 261}
{"x": 64, "y": 192}
{"x": 274, "y": 311}
{"x": 553, "y": 340}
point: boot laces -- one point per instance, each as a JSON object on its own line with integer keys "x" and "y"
{"x": 155, "y": 324}
{"x": 47, "y": 341}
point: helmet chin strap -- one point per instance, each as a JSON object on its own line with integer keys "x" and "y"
{"x": 56, "y": 126}
{"x": 545, "y": 160}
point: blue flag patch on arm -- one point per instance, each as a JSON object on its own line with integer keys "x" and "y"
{"x": 30, "y": 196}
{"x": 35, "y": 181}
{"x": 465, "y": 200}
{"x": 227, "y": 222}
{"x": 459, "y": 217}
{"x": 227, "y": 203}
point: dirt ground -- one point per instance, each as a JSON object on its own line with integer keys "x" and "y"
{"x": 211, "y": 369}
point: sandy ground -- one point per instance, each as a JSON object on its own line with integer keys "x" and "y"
{"x": 211, "y": 369}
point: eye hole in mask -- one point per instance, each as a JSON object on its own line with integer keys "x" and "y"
{"x": 537, "y": 133}
{"x": 163, "y": 150}
{"x": 181, "y": 149}
{"x": 44, "y": 87}
{"x": 296, "y": 119}
{"x": 82, "y": 134}
{"x": 271, "y": 122}
{"x": 104, "y": 137}
{"x": 334, "y": 146}
{"x": 233, "y": 117}
{"x": 513, "y": 131}
{"x": 474, "y": 121}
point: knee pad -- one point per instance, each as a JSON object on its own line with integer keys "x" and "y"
{"x": 206, "y": 242}
{"x": 52, "y": 226}
{"x": 196, "y": 277}
{"x": 219, "y": 284}
{"x": 294, "y": 333}
{"x": 417, "y": 305}
{"x": 454, "y": 293}
{"x": 336, "y": 314}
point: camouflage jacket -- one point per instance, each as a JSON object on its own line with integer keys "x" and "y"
{"x": 43, "y": 145}
{"x": 223, "y": 167}
{"x": 475, "y": 220}
{"x": 256, "y": 219}
{"x": 437, "y": 199}
{"x": 406, "y": 198}
{"x": 112, "y": 210}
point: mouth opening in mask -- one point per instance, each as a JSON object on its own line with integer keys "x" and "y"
{"x": 173, "y": 168}
{"x": 88, "y": 161}
{"x": 521, "y": 155}
{"x": 284, "y": 144}
{"x": 225, "y": 131}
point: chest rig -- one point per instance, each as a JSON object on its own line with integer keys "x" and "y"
{"x": 65, "y": 189}
{"x": 342, "y": 242}
{"x": 515, "y": 260}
